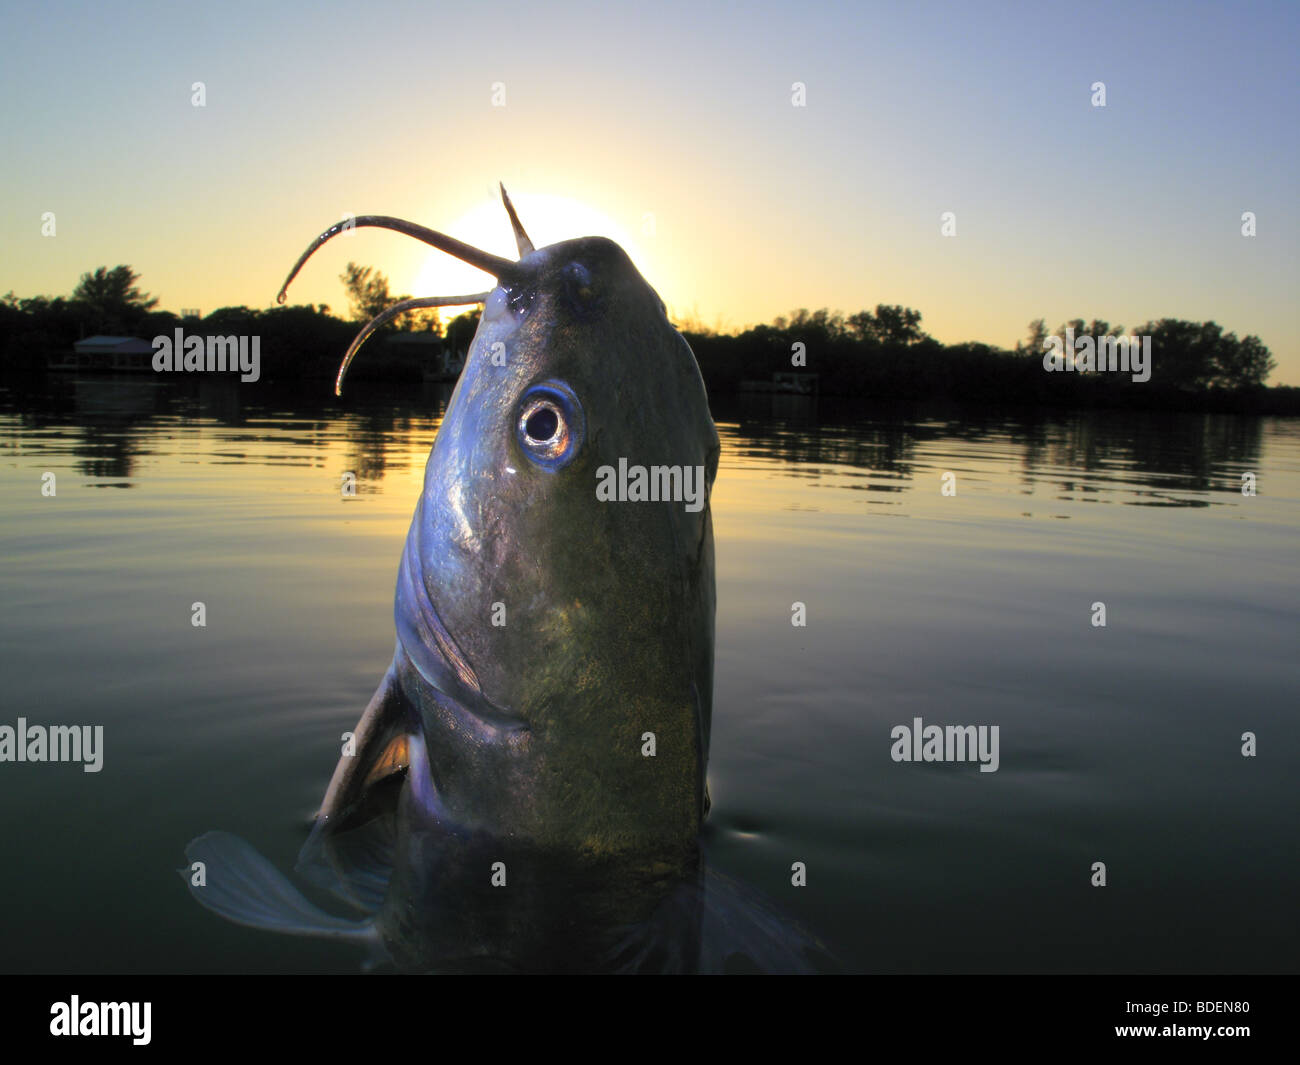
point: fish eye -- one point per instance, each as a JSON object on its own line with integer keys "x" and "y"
{"x": 550, "y": 424}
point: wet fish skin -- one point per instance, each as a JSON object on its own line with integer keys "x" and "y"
{"x": 534, "y": 728}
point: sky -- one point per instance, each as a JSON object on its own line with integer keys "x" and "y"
{"x": 672, "y": 127}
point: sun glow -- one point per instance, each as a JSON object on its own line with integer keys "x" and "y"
{"x": 548, "y": 220}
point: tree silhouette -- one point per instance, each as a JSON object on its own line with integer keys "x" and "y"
{"x": 460, "y": 330}
{"x": 368, "y": 293}
{"x": 892, "y": 325}
{"x": 112, "y": 299}
{"x": 1201, "y": 356}
{"x": 1033, "y": 342}
{"x": 1248, "y": 364}
{"x": 113, "y": 290}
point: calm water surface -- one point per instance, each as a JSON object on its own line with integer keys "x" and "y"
{"x": 1119, "y": 745}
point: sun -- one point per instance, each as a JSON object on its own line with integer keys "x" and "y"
{"x": 547, "y": 219}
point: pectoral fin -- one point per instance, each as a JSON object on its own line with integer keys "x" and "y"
{"x": 379, "y": 750}
{"x": 350, "y": 849}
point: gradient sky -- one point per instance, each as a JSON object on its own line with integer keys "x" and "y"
{"x": 681, "y": 112}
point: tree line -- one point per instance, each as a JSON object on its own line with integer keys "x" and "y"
{"x": 300, "y": 341}
{"x": 878, "y": 354}
{"x": 886, "y": 354}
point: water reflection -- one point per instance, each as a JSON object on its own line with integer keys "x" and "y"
{"x": 1157, "y": 459}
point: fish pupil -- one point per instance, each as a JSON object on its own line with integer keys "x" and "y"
{"x": 542, "y": 424}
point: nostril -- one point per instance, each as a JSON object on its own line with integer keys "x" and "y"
{"x": 575, "y": 271}
{"x": 578, "y": 285}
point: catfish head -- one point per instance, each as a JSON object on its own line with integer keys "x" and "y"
{"x": 553, "y": 675}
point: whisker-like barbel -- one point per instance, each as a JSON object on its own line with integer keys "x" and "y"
{"x": 492, "y": 264}
{"x": 489, "y": 263}
{"x": 388, "y": 314}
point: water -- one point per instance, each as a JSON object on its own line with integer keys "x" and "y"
{"x": 1119, "y": 744}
